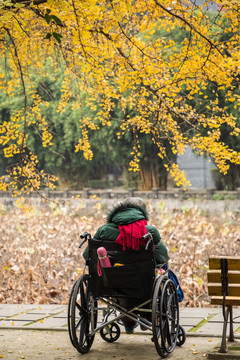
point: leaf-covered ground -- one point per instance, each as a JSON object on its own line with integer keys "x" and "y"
{"x": 40, "y": 258}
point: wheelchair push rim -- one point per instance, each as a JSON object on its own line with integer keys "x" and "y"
{"x": 79, "y": 320}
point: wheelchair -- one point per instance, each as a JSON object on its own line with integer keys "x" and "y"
{"x": 154, "y": 296}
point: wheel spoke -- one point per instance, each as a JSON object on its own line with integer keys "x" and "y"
{"x": 169, "y": 339}
{"x": 80, "y": 308}
{"x": 158, "y": 333}
{"x": 166, "y": 333}
{"x": 171, "y": 318}
{"x": 164, "y": 321}
{"x": 164, "y": 305}
{"x": 83, "y": 333}
{"x": 78, "y": 323}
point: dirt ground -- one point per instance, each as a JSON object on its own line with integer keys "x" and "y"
{"x": 55, "y": 345}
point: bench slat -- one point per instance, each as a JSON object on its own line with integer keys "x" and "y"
{"x": 229, "y": 300}
{"x": 216, "y": 289}
{"x": 214, "y": 276}
{"x": 233, "y": 262}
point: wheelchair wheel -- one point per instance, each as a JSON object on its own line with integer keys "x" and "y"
{"x": 80, "y": 315}
{"x": 169, "y": 316}
{"x": 181, "y": 336}
{"x": 165, "y": 317}
{"x": 110, "y": 333}
{"x": 158, "y": 288}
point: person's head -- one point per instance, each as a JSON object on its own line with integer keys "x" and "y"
{"x": 135, "y": 201}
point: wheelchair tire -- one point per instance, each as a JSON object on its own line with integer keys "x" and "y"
{"x": 80, "y": 315}
{"x": 165, "y": 317}
{"x": 110, "y": 333}
{"x": 159, "y": 284}
{"x": 181, "y": 336}
{"x": 70, "y": 311}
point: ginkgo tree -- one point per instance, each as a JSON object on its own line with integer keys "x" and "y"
{"x": 110, "y": 53}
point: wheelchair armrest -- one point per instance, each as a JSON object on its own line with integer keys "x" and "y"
{"x": 162, "y": 265}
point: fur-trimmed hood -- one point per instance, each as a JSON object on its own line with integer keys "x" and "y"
{"x": 126, "y": 213}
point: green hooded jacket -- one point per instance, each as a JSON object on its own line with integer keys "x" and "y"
{"x": 124, "y": 214}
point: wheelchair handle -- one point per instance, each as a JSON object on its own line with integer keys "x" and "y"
{"x": 149, "y": 239}
{"x": 86, "y": 236}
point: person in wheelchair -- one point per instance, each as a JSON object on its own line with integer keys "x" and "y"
{"x": 126, "y": 224}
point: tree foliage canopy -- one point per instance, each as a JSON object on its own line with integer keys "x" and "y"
{"x": 119, "y": 52}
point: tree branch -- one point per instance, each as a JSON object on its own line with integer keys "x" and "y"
{"x": 189, "y": 24}
{"x": 23, "y": 85}
{"x": 79, "y": 34}
{"x": 29, "y": 2}
{"x": 149, "y": 87}
{"x": 21, "y": 26}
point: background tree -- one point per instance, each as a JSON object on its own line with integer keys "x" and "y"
{"x": 214, "y": 93}
{"x": 73, "y": 170}
{"x": 111, "y": 57}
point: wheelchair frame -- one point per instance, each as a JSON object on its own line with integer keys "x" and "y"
{"x": 83, "y": 310}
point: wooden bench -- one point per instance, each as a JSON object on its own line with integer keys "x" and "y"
{"x": 224, "y": 289}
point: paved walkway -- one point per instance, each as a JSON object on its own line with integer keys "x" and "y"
{"x": 196, "y": 321}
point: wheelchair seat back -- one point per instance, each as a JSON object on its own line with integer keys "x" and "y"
{"x": 132, "y": 272}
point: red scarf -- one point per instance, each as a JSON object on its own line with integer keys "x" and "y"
{"x": 130, "y": 235}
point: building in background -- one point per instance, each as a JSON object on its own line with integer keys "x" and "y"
{"x": 211, "y": 6}
{"x": 198, "y": 169}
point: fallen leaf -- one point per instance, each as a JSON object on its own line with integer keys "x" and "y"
{"x": 34, "y": 250}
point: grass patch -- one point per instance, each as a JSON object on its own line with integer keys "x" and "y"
{"x": 234, "y": 348}
{"x": 238, "y": 330}
{"x": 199, "y": 325}
{"x": 42, "y": 319}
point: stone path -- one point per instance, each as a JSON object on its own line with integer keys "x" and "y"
{"x": 195, "y": 321}
{"x": 203, "y": 327}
